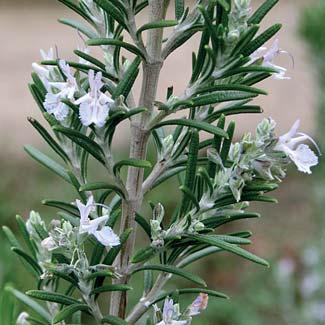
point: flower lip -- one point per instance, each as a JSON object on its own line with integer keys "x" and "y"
{"x": 269, "y": 56}
{"x": 312, "y": 141}
{"x": 96, "y": 227}
{"x": 95, "y": 105}
{"x": 291, "y": 143}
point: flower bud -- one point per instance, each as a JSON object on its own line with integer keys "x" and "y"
{"x": 158, "y": 213}
{"x": 49, "y": 244}
{"x": 23, "y": 319}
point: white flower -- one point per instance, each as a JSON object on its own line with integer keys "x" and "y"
{"x": 96, "y": 227}
{"x": 49, "y": 244}
{"x": 170, "y": 312}
{"x": 63, "y": 90}
{"x": 66, "y": 88}
{"x": 199, "y": 304}
{"x": 269, "y": 57}
{"x": 290, "y": 143}
{"x": 53, "y": 105}
{"x": 107, "y": 237}
{"x": 23, "y": 319}
{"x": 95, "y": 105}
{"x": 44, "y": 71}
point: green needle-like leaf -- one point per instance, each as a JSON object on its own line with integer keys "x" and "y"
{"x": 156, "y": 25}
{"x": 262, "y": 11}
{"x": 110, "y": 288}
{"x": 101, "y": 186}
{"x": 112, "y": 11}
{"x": 83, "y": 141}
{"x": 213, "y": 241}
{"x": 79, "y": 27}
{"x": 52, "y": 297}
{"x": 109, "y": 41}
{"x": 131, "y": 163}
{"x": 129, "y": 77}
{"x": 38, "y": 309}
{"x": 199, "y": 125}
{"x": 48, "y": 162}
{"x": 211, "y": 293}
{"x": 143, "y": 254}
{"x": 68, "y": 311}
{"x": 261, "y": 40}
{"x": 173, "y": 270}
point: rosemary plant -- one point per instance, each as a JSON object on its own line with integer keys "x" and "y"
{"x": 91, "y": 245}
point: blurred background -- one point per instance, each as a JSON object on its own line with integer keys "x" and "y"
{"x": 290, "y": 234}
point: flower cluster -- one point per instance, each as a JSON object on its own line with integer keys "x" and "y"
{"x": 61, "y": 84}
{"x": 263, "y": 157}
{"x": 66, "y": 239}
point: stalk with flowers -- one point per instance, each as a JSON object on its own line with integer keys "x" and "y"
{"x": 85, "y": 259}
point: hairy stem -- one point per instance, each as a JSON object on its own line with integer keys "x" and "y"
{"x": 138, "y": 149}
{"x": 146, "y": 301}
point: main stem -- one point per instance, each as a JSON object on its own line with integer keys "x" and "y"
{"x": 138, "y": 150}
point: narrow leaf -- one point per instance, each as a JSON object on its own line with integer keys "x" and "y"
{"x": 109, "y": 41}
{"x": 173, "y": 270}
{"x": 262, "y": 11}
{"x": 211, "y": 293}
{"x": 157, "y": 25}
{"x": 137, "y": 163}
{"x": 68, "y": 311}
{"x": 47, "y": 162}
{"x": 110, "y": 288}
{"x": 52, "y": 297}
{"x": 211, "y": 240}
{"x": 101, "y": 186}
{"x": 79, "y": 27}
{"x": 112, "y": 11}
{"x": 83, "y": 141}
{"x": 128, "y": 79}
{"x": 39, "y": 310}
{"x": 195, "y": 124}
{"x": 261, "y": 39}
{"x": 28, "y": 259}
{"x": 143, "y": 254}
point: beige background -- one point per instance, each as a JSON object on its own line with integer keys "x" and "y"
{"x": 30, "y": 25}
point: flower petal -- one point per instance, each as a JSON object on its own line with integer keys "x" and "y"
{"x": 107, "y": 237}
{"x": 85, "y": 209}
{"x": 304, "y": 158}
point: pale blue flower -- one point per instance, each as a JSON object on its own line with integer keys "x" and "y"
{"x": 302, "y": 156}
{"x": 268, "y": 59}
{"x": 199, "y": 304}
{"x": 96, "y": 227}
{"x": 171, "y": 314}
{"x": 60, "y": 90}
{"x": 23, "y": 319}
{"x": 94, "y": 106}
